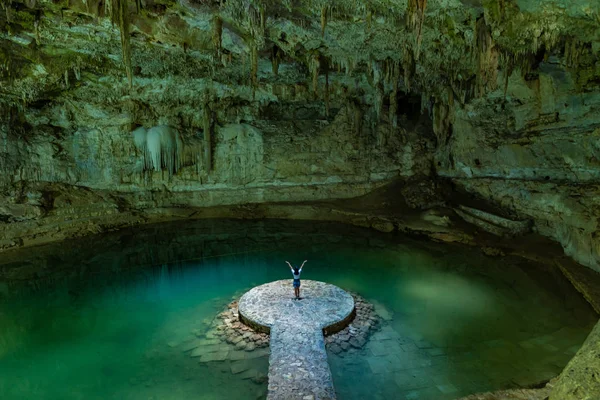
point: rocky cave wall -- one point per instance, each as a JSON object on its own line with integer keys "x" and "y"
{"x": 294, "y": 100}
{"x": 535, "y": 155}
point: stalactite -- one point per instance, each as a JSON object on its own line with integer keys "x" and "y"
{"x": 508, "y": 68}
{"x": 353, "y": 112}
{"x": 369, "y": 19}
{"x": 370, "y": 73}
{"x": 193, "y": 149}
{"x": 422, "y": 4}
{"x": 415, "y": 18}
{"x": 275, "y": 58}
{"x": 263, "y": 19}
{"x": 425, "y": 100}
{"x": 6, "y": 6}
{"x": 67, "y": 78}
{"x": 120, "y": 16}
{"x": 77, "y": 68}
{"x": 376, "y": 72}
{"x": 441, "y": 121}
{"x": 254, "y": 68}
{"x": 326, "y": 94}
{"x": 36, "y": 27}
{"x": 393, "y": 112}
{"x": 155, "y": 151}
{"x": 376, "y": 80}
{"x": 139, "y": 139}
{"x": 256, "y": 20}
{"x": 487, "y": 58}
{"x": 108, "y": 8}
{"x": 323, "y": 20}
{"x": 217, "y": 35}
{"x": 357, "y": 119}
{"x": 379, "y": 95}
{"x": 313, "y": 66}
{"x": 387, "y": 70}
{"x": 207, "y": 128}
{"x": 409, "y": 67}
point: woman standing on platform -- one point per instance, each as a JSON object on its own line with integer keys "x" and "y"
{"x": 296, "y": 274}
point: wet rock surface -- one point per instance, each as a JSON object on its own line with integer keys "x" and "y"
{"x": 355, "y": 335}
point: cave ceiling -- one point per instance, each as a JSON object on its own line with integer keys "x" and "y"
{"x": 239, "y": 51}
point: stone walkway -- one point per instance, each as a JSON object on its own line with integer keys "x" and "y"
{"x": 298, "y": 367}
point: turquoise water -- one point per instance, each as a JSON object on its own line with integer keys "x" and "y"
{"x": 108, "y": 317}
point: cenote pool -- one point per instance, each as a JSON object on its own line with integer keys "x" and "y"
{"x": 108, "y": 317}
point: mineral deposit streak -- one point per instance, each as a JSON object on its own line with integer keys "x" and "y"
{"x": 298, "y": 367}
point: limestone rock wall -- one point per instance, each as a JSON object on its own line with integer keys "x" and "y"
{"x": 272, "y": 101}
{"x": 534, "y": 154}
{"x": 76, "y": 158}
{"x": 95, "y": 148}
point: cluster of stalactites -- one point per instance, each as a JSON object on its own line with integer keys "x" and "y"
{"x": 161, "y": 147}
{"x": 252, "y": 16}
{"x": 384, "y": 76}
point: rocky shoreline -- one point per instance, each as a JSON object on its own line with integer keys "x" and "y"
{"x": 227, "y": 328}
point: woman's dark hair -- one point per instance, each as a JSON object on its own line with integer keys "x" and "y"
{"x": 296, "y": 269}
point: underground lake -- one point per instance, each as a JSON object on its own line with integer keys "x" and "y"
{"x": 123, "y": 315}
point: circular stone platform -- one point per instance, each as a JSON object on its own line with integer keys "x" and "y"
{"x": 298, "y": 368}
{"x": 322, "y": 305}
